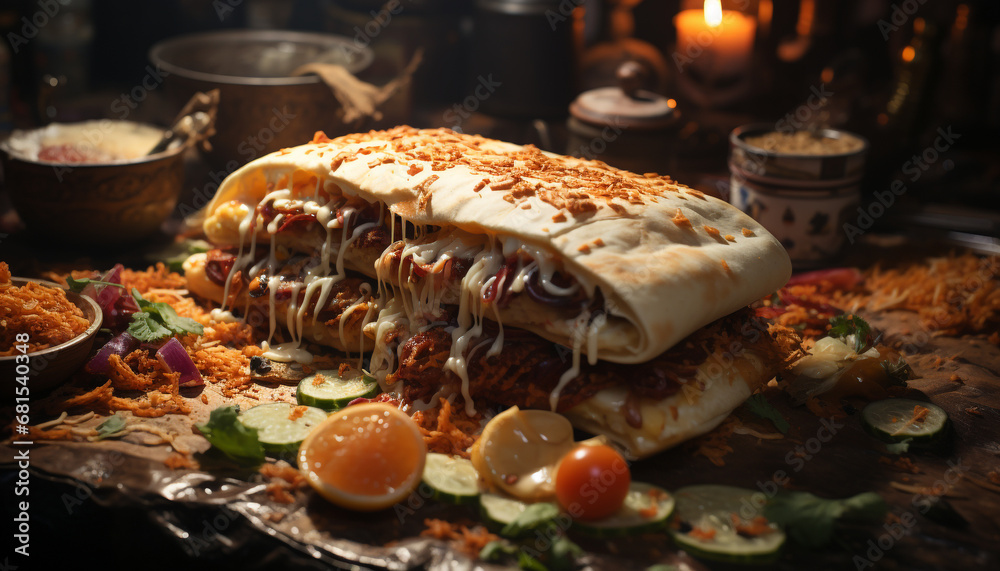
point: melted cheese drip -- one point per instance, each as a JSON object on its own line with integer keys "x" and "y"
{"x": 286, "y": 352}
{"x": 318, "y": 280}
{"x": 383, "y": 360}
{"x": 416, "y": 309}
{"x": 470, "y": 316}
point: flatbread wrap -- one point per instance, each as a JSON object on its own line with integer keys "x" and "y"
{"x": 482, "y": 252}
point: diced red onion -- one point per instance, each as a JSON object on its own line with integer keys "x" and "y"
{"x": 120, "y": 345}
{"x": 114, "y": 301}
{"x": 175, "y": 358}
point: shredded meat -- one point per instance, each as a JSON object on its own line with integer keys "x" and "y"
{"x": 528, "y": 368}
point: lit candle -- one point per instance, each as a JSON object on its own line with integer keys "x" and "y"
{"x": 717, "y": 42}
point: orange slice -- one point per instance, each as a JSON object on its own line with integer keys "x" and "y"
{"x": 364, "y": 457}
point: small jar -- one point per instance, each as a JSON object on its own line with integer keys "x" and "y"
{"x": 624, "y": 126}
{"x": 802, "y": 186}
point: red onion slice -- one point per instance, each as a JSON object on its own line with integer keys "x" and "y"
{"x": 120, "y": 345}
{"x": 175, "y": 358}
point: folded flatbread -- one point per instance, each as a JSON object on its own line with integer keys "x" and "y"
{"x": 482, "y": 245}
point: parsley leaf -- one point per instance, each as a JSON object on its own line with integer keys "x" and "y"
{"x": 535, "y": 516}
{"x": 232, "y": 437}
{"x": 758, "y": 405}
{"x": 843, "y": 326}
{"x": 156, "y": 320}
{"x": 77, "y": 285}
{"x": 809, "y": 519}
{"x": 145, "y": 327}
{"x": 113, "y": 425}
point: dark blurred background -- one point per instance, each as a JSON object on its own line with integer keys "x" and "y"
{"x": 895, "y": 72}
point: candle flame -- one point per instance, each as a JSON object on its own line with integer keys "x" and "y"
{"x": 713, "y": 12}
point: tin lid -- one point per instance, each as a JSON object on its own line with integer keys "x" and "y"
{"x": 625, "y": 105}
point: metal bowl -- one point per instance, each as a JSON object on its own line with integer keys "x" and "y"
{"x": 49, "y": 367}
{"x": 107, "y": 203}
{"x": 784, "y": 168}
{"x": 262, "y": 108}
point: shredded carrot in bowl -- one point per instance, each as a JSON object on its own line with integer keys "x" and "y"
{"x": 39, "y": 313}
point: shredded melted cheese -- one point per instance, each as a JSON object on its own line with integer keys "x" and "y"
{"x": 406, "y": 305}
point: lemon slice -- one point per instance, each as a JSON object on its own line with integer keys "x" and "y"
{"x": 365, "y": 457}
{"x": 519, "y": 451}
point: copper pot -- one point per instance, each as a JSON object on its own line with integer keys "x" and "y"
{"x": 261, "y": 107}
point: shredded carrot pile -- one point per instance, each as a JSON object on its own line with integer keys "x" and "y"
{"x": 42, "y": 313}
{"x": 467, "y": 540}
{"x": 954, "y": 295}
{"x": 140, "y": 371}
{"x": 449, "y": 431}
{"x": 154, "y": 277}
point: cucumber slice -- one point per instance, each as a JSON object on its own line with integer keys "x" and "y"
{"x": 706, "y": 510}
{"x": 891, "y": 420}
{"x": 329, "y": 391}
{"x": 452, "y": 479}
{"x": 498, "y": 511}
{"x": 277, "y": 433}
{"x": 646, "y": 508}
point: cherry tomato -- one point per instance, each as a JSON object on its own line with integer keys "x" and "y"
{"x": 592, "y": 482}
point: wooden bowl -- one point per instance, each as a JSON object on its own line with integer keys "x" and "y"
{"x": 49, "y": 367}
{"x": 98, "y": 203}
